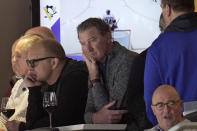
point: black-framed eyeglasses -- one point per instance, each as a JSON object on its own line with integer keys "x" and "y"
{"x": 31, "y": 63}
{"x": 161, "y": 105}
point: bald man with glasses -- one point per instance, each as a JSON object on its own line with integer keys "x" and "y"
{"x": 167, "y": 107}
{"x": 31, "y": 63}
{"x": 50, "y": 70}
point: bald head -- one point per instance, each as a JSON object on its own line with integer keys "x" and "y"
{"x": 167, "y": 106}
{"x": 42, "y": 31}
{"x": 165, "y": 89}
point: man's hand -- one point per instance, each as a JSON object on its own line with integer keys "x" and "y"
{"x": 107, "y": 116}
{"x": 12, "y": 125}
{"x": 92, "y": 68}
{"x": 30, "y": 80}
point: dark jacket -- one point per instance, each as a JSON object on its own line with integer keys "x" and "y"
{"x": 136, "y": 119}
{"x": 71, "y": 90}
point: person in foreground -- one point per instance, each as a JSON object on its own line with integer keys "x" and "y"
{"x": 19, "y": 93}
{"x": 171, "y": 59}
{"x": 167, "y": 107}
{"x": 109, "y": 66}
{"x": 49, "y": 69}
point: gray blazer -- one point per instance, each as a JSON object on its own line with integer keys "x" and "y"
{"x": 117, "y": 71}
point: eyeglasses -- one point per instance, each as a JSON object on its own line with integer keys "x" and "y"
{"x": 161, "y": 105}
{"x": 31, "y": 63}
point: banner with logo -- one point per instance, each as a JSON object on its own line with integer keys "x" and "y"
{"x": 50, "y": 16}
{"x": 135, "y": 22}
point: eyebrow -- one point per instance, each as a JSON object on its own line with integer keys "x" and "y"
{"x": 166, "y": 102}
{"x": 89, "y": 39}
{"x": 93, "y": 37}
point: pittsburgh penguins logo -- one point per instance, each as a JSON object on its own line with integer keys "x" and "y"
{"x": 50, "y": 11}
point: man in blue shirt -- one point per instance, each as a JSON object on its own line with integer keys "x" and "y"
{"x": 171, "y": 59}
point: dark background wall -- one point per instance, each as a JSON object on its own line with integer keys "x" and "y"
{"x": 15, "y": 20}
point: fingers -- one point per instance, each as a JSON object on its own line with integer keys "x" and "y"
{"x": 88, "y": 58}
{"x": 30, "y": 80}
{"x": 12, "y": 125}
{"x": 119, "y": 112}
{"x": 30, "y": 77}
{"x": 110, "y": 104}
{"x": 116, "y": 119}
{"x": 116, "y": 115}
{"x": 92, "y": 67}
{"x": 84, "y": 56}
{"x": 115, "y": 112}
{"x": 108, "y": 116}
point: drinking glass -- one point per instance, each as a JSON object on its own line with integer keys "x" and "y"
{"x": 7, "y": 106}
{"x": 50, "y": 104}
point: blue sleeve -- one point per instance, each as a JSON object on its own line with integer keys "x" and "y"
{"x": 151, "y": 82}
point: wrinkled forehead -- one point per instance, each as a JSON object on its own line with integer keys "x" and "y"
{"x": 91, "y": 29}
{"x": 164, "y": 96}
{"x": 88, "y": 33}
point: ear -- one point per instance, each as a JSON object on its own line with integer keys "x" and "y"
{"x": 153, "y": 109}
{"x": 168, "y": 10}
{"x": 54, "y": 63}
{"x": 109, "y": 37}
{"x": 181, "y": 104}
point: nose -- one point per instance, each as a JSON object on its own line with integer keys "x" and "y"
{"x": 89, "y": 47}
{"x": 30, "y": 68}
{"x": 166, "y": 108}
